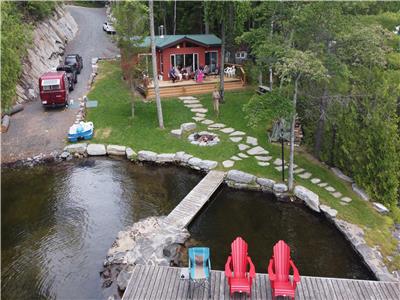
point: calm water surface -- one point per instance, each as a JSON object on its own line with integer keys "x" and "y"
{"x": 58, "y": 221}
{"x": 318, "y": 248}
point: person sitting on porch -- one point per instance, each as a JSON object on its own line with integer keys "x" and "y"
{"x": 206, "y": 70}
{"x": 199, "y": 75}
{"x": 172, "y": 74}
{"x": 185, "y": 73}
{"x": 178, "y": 73}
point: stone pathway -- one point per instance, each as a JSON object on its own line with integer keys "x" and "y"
{"x": 249, "y": 148}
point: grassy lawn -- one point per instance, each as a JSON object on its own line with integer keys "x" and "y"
{"x": 114, "y": 125}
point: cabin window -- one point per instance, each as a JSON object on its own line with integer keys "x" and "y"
{"x": 212, "y": 60}
{"x": 185, "y": 61}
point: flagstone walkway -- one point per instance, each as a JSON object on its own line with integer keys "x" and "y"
{"x": 248, "y": 148}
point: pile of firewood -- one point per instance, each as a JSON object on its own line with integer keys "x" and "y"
{"x": 5, "y": 116}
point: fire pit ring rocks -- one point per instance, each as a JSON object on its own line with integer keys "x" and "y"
{"x": 203, "y": 138}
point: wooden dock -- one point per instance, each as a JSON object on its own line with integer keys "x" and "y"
{"x": 188, "y": 208}
{"x": 155, "y": 282}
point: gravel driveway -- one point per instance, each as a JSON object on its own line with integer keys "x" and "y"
{"x": 37, "y": 131}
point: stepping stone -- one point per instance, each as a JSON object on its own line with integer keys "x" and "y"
{"x": 236, "y": 139}
{"x": 305, "y": 175}
{"x": 237, "y": 133}
{"x": 227, "y": 130}
{"x": 263, "y": 158}
{"x": 330, "y": 189}
{"x": 346, "y": 199}
{"x": 207, "y": 122}
{"x": 315, "y": 180}
{"x": 242, "y": 155}
{"x": 252, "y": 141}
{"x": 344, "y": 203}
{"x": 200, "y": 115}
{"x": 176, "y": 132}
{"x": 337, "y": 194}
{"x": 199, "y": 110}
{"x": 277, "y": 162}
{"x": 194, "y": 105}
{"x": 257, "y": 150}
{"x": 191, "y": 101}
{"x": 235, "y": 157}
{"x": 263, "y": 163}
{"x": 322, "y": 184}
{"x": 279, "y": 168}
{"x": 217, "y": 125}
{"x": 197, "y": 119}
{"x": 228, "y": 163}
{"x": 243, "y": 147}
{"x": 299, "y": 170}
{"x": 187, "y": 98}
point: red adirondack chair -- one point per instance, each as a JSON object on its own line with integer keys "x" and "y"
{"x": 239, "y": 279}
{"x": 278, "y": 271}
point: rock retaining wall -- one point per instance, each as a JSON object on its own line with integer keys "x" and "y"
{"x": 48, "y": 44}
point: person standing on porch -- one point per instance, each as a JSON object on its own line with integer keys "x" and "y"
{"x": 216, "y": 98}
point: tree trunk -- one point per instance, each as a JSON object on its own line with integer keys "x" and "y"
{"x": 321, "y": 123}
{"x": 133, "y": 94}
{"x": 260, "y": 82}
{"x": 154, "y": 61}
{"x": 291, "y": 157}
{"x": 221, "y": 67}
{"x": 175, "y": 17}
{"x": 270, "y": 66}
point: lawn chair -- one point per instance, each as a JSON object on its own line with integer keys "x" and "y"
{"x": 278, "y": 271}
{"x": 239, "y": 279}
{"x": 199, "y": 269}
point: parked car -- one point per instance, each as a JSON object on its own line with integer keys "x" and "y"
{"x": 53, "y": 88}
{"x": 71, "y": 74}
{"x": 109, "y": 28}
{"x": 74, "y": 60}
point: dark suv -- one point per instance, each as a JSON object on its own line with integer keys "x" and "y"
{"x": 71, "y": 75}
{"x": 74, "y": 60}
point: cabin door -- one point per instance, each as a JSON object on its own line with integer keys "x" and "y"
{"x": 212, "y": 60}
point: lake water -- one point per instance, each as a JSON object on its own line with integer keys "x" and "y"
{"x": 59, "y": 220}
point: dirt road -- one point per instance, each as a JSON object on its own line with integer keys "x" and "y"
{"x": 37, "y": 131}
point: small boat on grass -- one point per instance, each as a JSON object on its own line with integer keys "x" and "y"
{"x": 83, "y": 130}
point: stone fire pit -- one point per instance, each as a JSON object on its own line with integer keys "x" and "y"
{"x": 203, "y": 138}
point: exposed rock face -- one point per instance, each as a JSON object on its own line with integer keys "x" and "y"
{"x": 47, "y": 48}
{"x": 309, "y": 197}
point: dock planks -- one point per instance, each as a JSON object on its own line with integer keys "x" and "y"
{"x": 155, "y": 282}
{"x": 187, "y": 209}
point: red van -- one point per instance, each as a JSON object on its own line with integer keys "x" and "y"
{"x": 53, "y": 87}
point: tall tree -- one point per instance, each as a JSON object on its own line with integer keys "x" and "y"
{"x": 131, "y": 21}
{"x": 295, "y": 66}
{"x": 154, "y": 60}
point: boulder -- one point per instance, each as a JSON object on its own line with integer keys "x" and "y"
{"x": 310, "y": 198}
{"x": 186, "y": 127}
{"x": 165, "y": 157}
{"x": 360, "y": 192}
{"x": 380, "y": 207}
{"x": 176, "y": 133}
{"x": 194, "y": 162}
{"x": 76, "y": 148}
{"x": 116, "y": 150}
{"x": 130, "y": 154}
{"x": 145, "y": 155}
{"x": 65, "y": 155}
{"x": 240, "y": 177}
{"x": 328, "y": 211}
{"x": 208, "y": 164}
{"x": 182, "y": 157}
{"x": 96, "y": 149}
{"x": 123, "y": 279}
{"x": 340, "y": 174}
{"x": 280, "y": 188}
{"x": 265, "y": 182}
